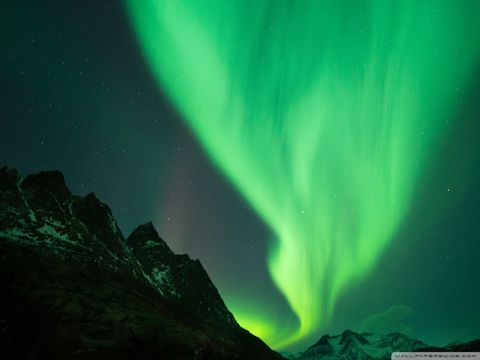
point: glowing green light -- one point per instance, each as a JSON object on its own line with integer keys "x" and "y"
{"x": 321, "y": 113}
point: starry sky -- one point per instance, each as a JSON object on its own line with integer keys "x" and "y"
{"x": 86, "y": 91}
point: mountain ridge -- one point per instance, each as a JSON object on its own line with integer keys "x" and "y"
{"x": 77, "y": 288}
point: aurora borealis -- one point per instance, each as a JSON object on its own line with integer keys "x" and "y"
{"x": 320, "y": 158}
{"x": 322, "y": 114}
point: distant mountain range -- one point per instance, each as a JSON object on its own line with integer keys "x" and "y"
{"x": 73, "y": 287}
{"x": 366, "y": 346}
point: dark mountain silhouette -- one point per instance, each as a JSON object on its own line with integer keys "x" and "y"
{"x": 72, "y": 287}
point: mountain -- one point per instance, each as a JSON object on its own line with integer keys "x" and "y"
{"x": 73, "y": 287}
{"x": 366, "y": 346}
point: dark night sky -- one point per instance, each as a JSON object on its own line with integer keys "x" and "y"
{"x": 76, "y": 95}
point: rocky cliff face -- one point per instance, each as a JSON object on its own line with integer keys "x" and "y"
{"x": 179, "y": 279}
{"x": 366, "y": 346}
{"x": 74, "y": 288}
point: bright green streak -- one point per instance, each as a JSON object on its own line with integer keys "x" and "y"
{"x": 321, "y": 113}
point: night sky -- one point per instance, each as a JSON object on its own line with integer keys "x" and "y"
{"x": 85, "y": 90}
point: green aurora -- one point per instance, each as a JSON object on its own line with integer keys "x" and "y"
{"x": 322, "y": 114}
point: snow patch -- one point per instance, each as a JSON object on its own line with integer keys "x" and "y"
{"x": 114, "y": 256}
{"x": 54, "y": 222}
{"x": 150, "y": 244}
{"x": 161, "y": 276}
{"x": 164, "y": 277}
{"x": 52, "y": 232}
{"x": 31, "y": 213}
{"x": 16, "y": 234}
{"x": 113, "y": 223}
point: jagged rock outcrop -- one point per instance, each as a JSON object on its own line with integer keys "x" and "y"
{"x": 179, "y": 278}
{"x": 74, "y": 288}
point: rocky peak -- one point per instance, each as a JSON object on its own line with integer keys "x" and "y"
{"x": 320, "y": 349}
{"x": 323, "y": 340}
{"x": 47, "y": 183}
{"x": 178, "y": 278}
{"x": 349, "y": 336}
{"x": 146, "y": 237}
{"x": 98, "y": 218}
